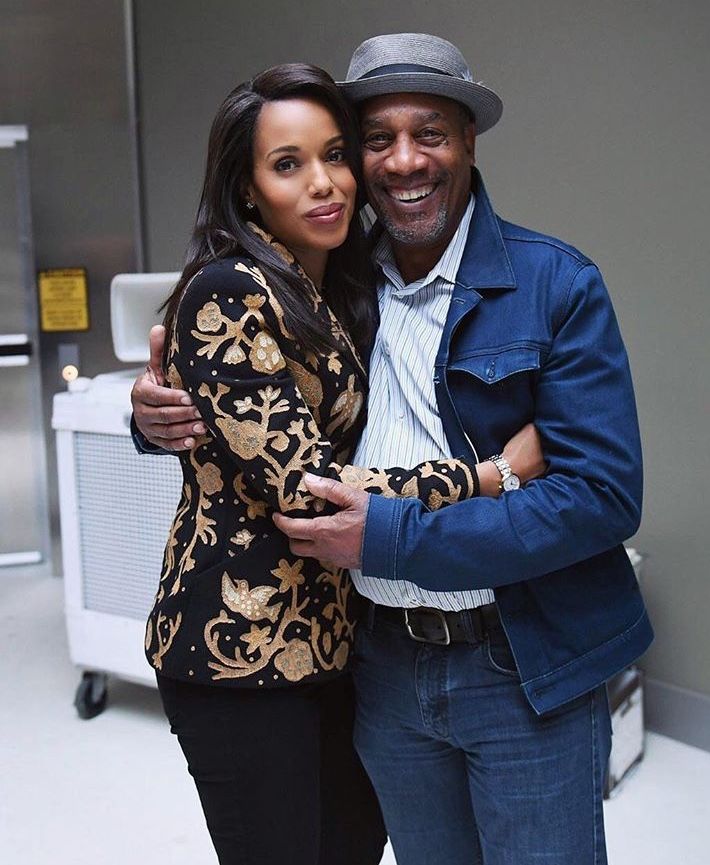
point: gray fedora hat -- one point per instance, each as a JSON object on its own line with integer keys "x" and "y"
{"x": 419, "y": 63}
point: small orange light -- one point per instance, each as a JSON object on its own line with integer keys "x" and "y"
{"x": 70, "y": 372}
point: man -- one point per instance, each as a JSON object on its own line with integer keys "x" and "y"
{"x": 493, "y": 624}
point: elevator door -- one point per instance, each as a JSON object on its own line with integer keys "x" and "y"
{"x": 24, "y": 534}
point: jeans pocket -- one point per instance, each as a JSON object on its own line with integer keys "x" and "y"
{"x": 499, "y": 655}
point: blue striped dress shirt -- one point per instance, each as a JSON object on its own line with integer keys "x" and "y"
{"x": 403, "y": 426}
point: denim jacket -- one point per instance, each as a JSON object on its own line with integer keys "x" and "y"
{"x": 531, "y": 335}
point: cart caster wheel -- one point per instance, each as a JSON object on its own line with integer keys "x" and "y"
{"x": 91, "y": 695}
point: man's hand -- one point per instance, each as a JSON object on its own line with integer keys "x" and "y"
{"x": 336, "y": 539}
{"x": 165, "y": 416}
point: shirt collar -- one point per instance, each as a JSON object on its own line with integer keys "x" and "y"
{"x": 445, "y": 268}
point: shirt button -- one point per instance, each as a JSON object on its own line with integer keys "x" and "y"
{"x": 386, "y": 349}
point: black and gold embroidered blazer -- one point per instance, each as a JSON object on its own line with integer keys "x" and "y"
{"x": 234, "y": 606}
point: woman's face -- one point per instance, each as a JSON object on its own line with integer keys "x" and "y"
{"x": 301, "y": 182}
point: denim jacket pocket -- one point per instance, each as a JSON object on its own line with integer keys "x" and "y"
{"x": 495, "y": 365}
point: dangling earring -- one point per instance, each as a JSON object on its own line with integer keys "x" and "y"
{"x": 250, "y": 205}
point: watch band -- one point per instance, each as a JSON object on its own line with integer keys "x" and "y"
{"x": 508, "y": 479}
{"x": 502, "y": 464}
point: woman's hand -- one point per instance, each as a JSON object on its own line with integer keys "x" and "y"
{"x": 524, "y": 455}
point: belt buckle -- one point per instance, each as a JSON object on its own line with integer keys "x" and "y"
{"x": 447, "y": 634}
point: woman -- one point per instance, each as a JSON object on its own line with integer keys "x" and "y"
{"x": 267, "y": 329}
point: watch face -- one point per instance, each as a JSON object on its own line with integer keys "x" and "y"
{"x": 512, "y": 482}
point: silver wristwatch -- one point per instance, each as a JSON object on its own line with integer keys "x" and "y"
{"x": 509, "y": 480}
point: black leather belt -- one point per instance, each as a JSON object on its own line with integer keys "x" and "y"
{"x": 440, "y": 627}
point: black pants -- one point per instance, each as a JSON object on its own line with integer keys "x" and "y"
{"x": 278, "y": 777}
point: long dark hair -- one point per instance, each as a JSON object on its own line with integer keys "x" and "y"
{"x": 220, "y": 226}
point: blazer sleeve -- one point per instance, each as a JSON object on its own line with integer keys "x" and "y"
{"x": 229, "y": 353}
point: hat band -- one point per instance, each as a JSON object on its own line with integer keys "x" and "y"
{"x": 394, "y": 68}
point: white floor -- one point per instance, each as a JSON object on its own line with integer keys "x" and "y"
{"x": 114, "y": 791}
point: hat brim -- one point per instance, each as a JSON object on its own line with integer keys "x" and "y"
{"x": 485, "y": 105}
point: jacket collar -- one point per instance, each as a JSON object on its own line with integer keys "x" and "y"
{"x": 278, "y": 247}
{"x": 485, "y": 263}
{"x": 337, "y": 329}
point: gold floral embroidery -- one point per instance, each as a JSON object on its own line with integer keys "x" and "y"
{"x": 411, "y": 490}
{"x": 370, "y": 480}
{"x": 256, "y": 638}
{"x": 255, "y": 507}
{"x": 308, "y": 384}
{"x": 343, "y": 336}
{"x": 172, "y": 542}
{"x": 296, "y": 661}
{"x": 455, "y": 491}
{"x": 243, "y": 538}
{"x": 237, "y": 667}
{"x": 290, "y": 575}
{"x": 265, "y": 355}
{"x": 255, "y": 301}
{"x": 249, "y": 438}
{"x": 234, "y": 354}
{"x": 340, "y": 658}
{"x": 296, "y": 657}
{"x": 269, "y": 238}
{"x": 255, "y": 274}
{"x": 165, "y": 641}
{"x": 346, "y": 408}
{"x": 246, "y": 437}
{"x": 336, "y": 611}
{"x": 209, "y": 318}
{"x": 250, "y": 603}
{"x": 210, "y": 321}
{"x": 214, "y": 329}
{"x": 209, "y": 477}
{"x": 173, "y": 348}
{"x": 449, "y": 481}
{"x": 209, "y": 480}
{"x": 173, "y": 378}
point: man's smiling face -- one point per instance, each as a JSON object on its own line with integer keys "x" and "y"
{"x": 418, "y": 151}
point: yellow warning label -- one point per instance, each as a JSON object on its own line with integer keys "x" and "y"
{"x": 63, "y": 299}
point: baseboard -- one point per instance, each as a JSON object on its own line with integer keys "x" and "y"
{"x": 678, "y": 713}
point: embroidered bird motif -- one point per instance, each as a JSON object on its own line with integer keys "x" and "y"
{"x": 250, "y": 603}
{"x": 346, "y": 408}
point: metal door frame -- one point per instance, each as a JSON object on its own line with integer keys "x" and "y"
{"x": 28, "y": 344}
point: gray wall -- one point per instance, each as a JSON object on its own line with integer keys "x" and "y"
{"x": 603, "y": 142}
{"x": 63, "y": 69}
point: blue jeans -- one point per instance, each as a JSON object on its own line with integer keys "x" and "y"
{"x": 465, "y": 771}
